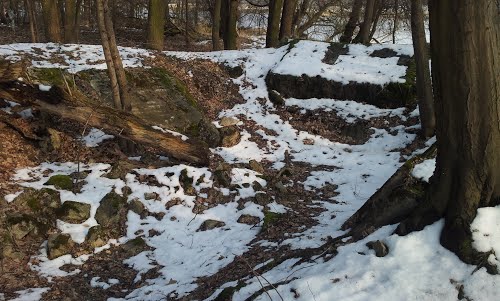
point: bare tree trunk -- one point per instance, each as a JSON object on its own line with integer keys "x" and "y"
{"x": 216, "y": 21}
{"x": 352, "y": 23}
{"x": 51, "y": 21}
{"x": 363, "y": 36}
{"x": 70, "y": 12}
{"x": 273, "y": 23}
{"x": 424, "y": 88}
{"x": 378, "y": 12}
{"x": 466, "y": 81}
{"x": 395, "y": 21}
{"x": 231, "y": 17}
{"x": 156, "y": 24}
{"x": 289, "y": 7}
{"x": 32, "y": 17}
{"x": 186, "y": 24}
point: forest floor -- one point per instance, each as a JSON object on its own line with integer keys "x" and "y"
{"x": 250, "y": 226}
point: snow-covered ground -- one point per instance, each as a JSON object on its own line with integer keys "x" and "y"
{"x": 416, "y": 268}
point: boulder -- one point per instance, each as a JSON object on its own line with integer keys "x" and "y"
{"x": 74, "y": 212}
{"x": 96, "y": 237}
{"x": 228, "y": 121}
{"x": 63, "y": 182}
{"x": 58, "y": 245}
{"x": 210, "y": 224}
{"x": 380, "y": 248}
{"x": 112, "y": 210}
{"x": 230, "y": 136}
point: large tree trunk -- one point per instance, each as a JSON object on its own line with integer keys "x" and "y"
{"x": 352, "y": 23}
{"x": 216, "y": 22}
{"x": 273, "y": 23}
{"x": 424, "y": 88}
{"x": 51, "y": 21}
{"x": 231, "y": 18}
{"x": 70, "y": 21}
{"x": 466, "y": 80}
{"x": 289, "y": 7}
{"x": 156, "y": 24}
{"x": 363, "y": 36}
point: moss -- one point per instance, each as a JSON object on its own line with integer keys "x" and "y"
{"x": 53, "y": 76}
{"x": 169, "y": 81}
{"x": 405, "y": 92}
{"x": 61, "y": 182}
{"x": 270, "y": 218}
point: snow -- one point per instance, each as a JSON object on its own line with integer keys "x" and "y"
{"x": 306, "y": 58}
{"x": 32, "y": 294}
{"x": 424, "y": 170}
{"x": 416, "y": 268}
{"x": 95, "y": 136}
{"x": 44, "y": 88}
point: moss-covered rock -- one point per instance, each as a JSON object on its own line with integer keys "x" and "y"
{"x": 60, "y": 182}
{"x": 39, "y": 201}
{"x": 112, "y": 210}
{"x": 120, "y": 169}
{"x": 22, "y": 225}
{"x": 74, "y": 212}
{"x": 58, "y": 245}
{"x": 96, "y": 237}
{"x": 134, "y": 246}
{"x": 137, "y": 207}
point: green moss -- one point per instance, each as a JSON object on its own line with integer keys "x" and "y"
{"x": 52, "y": 76}
{"x": 405, "y": 92}
{"x": 270, "y": 218}
{"x": 61, "y": 182}
{"x": 169, "y": 81}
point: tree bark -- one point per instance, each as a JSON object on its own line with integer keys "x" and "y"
{"x": 466, "y": 80}
{"x": 363, "y": 36}
{"x": 230, "y": 31}
{"x": 216, "y": 22}
{"x": 32, "y": 18}
{"x": 70, "y": 16}
{"x": 156, "y": 24}
{"x": 395, "y": 21}
{"x": 273, "y": 23}
{"x": 379, "y": 8}
{"x": 352, "y": 23}
{"x": 424, "y": 85}
{"x": 51, "y": 21}
{"x": 289, "y": 7}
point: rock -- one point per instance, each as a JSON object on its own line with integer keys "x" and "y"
{"x": 173, "y": 202}
{"x": 134, "y": 246}
{"x": 60, "y": 182}
{"x": 74, "y": 212}
{"x": 262, "y": 199}
{"x": 137, "y": 207}
{"x": 276, "y": 98}
{"x": 111, "y": 210}
{"x": 234, "y": 72}
{"x": 209, "y": 133}
{"x": 199, "y": 208}
{"x": 22, "y": 225}
{"x": 39, "y": 201}
{"x": 187, "y": 183}
{"x": 58, "y": 245}
{"x": 230, "y": 136}
{"x": 222, "y": 175}
{"x": 280, "y": 187}
{"x": 126, "y": 191}
{"x": 228, "y": 121}
{"x": 380, "y": 248}
{"x": 248, "y": 219}
{"x": 96, "y": 237}
{"x": 256, "y": 166}
{"x": 151, "y": 196}
{"x": 256, "y": 186}
{"x": 120, "y": 169}
{"x": 210, "y": 224}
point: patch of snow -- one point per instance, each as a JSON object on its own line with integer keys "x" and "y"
{"x": 44, "y": 88}
{"x": 95, "y": 136}
{"x": 424, "y": 170}
{"x": 183, "y": 137}
{"x": 31, "y": 294}
{"x": 486, "y": 232}
{"x": 96, "y": 282}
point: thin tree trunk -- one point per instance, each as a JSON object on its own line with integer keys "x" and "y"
{"x": 186, "y": 24}
{"x": 466, "y": 81}
{"x": 216, "y": 21}
{"x": 363, "y": 36}
{"x": 156, "y": 24}
{"x": 379, "y": 9}
{"x": 424, "y": 88}
{"x": 289, "y": 7}
{"x": 273, "y": 23}
{"x": 32, "y": 17}
{"x": 51, "y": 21}
{"x": 70, "y": 11}
{"x": 395, "y": 21}
{"x": 352, "y": 23}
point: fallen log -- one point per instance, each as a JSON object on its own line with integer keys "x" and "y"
{"x": 77, "y": 107}
{"x": 393, "y": 202}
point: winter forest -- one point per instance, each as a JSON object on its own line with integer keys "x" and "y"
{"x": 218, "y": 150}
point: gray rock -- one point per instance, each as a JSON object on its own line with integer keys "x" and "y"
{"x": 58, "y": 245}
{"x": 230, "y": 136}
{"x": 120, "y": 169}
{"x": 22, "y": 225}
{"x": 222, "y": 175}
{"x": 96, "y": 237}
{"x": 248, "y": 219}
{"x": 111, "y": 210}
{"x": 151, "y": 196}
{"x": 380, "y": 248}
{"x": 137, "y": 207}
{"x": 276, "y": 98}
{"x": 134, "y": 246}
{"x": 256, "y": 166}
{"x": 74, "y": 212}
{"x": 210, "y": 224}
{"x": 228, "y": 121}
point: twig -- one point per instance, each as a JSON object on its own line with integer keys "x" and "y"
{"x": 257, "y": 276}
